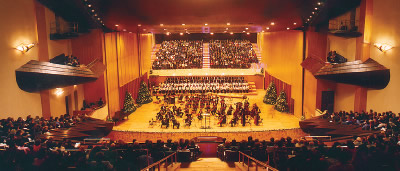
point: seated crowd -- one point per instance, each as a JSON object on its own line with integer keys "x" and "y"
{"x": 174, "y": 85}
{"x": 375, "y": 152}
{"x": 179, "y": 54}
{"x": 386, "y": 121}
{"x": 65, "y": 155}
{"x": 232, "y": 54}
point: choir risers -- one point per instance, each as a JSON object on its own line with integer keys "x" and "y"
{"x": 36, "y": 76}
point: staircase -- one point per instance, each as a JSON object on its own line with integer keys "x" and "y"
{"x": 156, "y": 48}
{"x": 257, "y": 50}
{"x": 206, "y": 55}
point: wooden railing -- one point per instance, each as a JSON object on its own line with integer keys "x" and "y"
{"x": 257, "y": 162}
{"x": 158, "y": 164}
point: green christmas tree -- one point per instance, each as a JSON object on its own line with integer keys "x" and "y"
{"x": 144, "y": 96}
{"x": 271, "y": 95}
{"x": 281, "y": 103}
{"x": 129, "y": 106}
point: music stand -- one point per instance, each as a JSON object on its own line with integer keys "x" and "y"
{"x": 205, "y": 121}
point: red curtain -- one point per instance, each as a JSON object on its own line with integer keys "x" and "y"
{"x": 281, "y": 86}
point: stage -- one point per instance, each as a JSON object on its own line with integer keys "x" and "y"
{"x": 274, "y": 124}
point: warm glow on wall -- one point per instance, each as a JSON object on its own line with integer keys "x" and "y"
{"x": 25, "y": 47}
{"x": 383, "y": 47}
{"x": 59, "y": 91}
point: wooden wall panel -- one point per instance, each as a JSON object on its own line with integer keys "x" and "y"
{"x": 112, "y": 72}
{"x": 146, "y": 46}
{"x": 128, "y": 62}
{"x": 87, "y": 48}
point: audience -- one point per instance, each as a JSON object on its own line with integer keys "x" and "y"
{"x": 232, "y": 54}
{"x": 179, "y": 54}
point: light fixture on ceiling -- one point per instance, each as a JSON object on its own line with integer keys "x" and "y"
{"x": 228, "y": 24}
{"x": 89, "y": 5}
{"x": 243, "y": 31}
{"x": 288, "y": 28}
{"x": 248, "y": 33}
{"x": 92, "y": 10}
{"x": 139, "y": 25}
{"x": 165, "y": 29}
{"x": 294, "y": 23}
{"x": 183, "y": 24}
{"x": 25, "y": 47}
{"x": 168, "y": 33}
{"x": 212, "y": 33}
{"x": 225, "y": 31}
{"x": 205, "y": 24}
{"x": 181, "y": 34}
{"x": 319, "y": 3}
{"x": 123, "y": 29}
{"x": 161, "y": 25}
{"x": 247, "y": 28}
{"x": 130, "y": 32}
{"x": 116, "y": 25}
{"x": 227, "y": 28}
{"x": 383, "y": 47}
{"x": 231, "y": 33}
{"x": 272, "y": 23}
{"x": 267, "y": 28}
{"x": 316, "y": 8}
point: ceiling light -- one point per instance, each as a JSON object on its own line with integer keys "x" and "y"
{"x": 248, "y": 33}
{"x": 267, "y": 28}
{"x": 89, "y": 5}
{"x": 227, "y": 28}
{"x": 168, "y": 33}
{"x": 92, "y": 10}
{"x": 263, "y": 31}
{"x": 212, "y": 33}
{"x": 225, "y": 31}
{"x": 161, "y": 25}
{"x": 116, "y": 25}
{"x": 165, "y": 29}
{"x": 313, "y": 12}
{"x": 123, "y": 29}
{"x": 247, "y": 28}
{"x": 288, "y": 28}
{"x": 319, "y": 3}
{"x": 231, "y": 33}
{"x": 139, "y": 25}
{"x": 183, "y": 24}
{"x": 310, "y": 16}
{"x": 308, "y": 19}
{"x": 228, "y": 24}
{"x": 144, "y": 29}
{"x": 272, "y": 23}
{"x": 95, "y": 15}
{"x": 294, "y": 23}
{"x": 244, "y": 31}
{"x": 181, "y": 34}
{"x": 205, "y": 24}
{"x": 130, "y": 32}
{"x": 316, "y": 8}
{"x": 99, "y": 18}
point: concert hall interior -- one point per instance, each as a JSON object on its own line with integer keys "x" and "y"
{"x": 199, "y": 84}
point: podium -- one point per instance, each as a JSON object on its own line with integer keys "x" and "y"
{"x": 204, "y": 125}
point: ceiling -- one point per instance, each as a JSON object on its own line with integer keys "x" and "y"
{"x": 199, "y": 16}
{"x": 256, "y": 15}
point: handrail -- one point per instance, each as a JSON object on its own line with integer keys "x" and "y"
{"x": 242, "y": 155}
{"x": 320, "y": 136}
{"x": 162, "y": 160}
{"x": 92, "y": 63}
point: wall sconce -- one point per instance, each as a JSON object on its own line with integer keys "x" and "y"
{"x": 383, "y": 47}
{"x": 25, "y": 47}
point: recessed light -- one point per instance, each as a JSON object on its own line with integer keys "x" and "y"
{"x": 267, "y": 28}
{"x": 89, "y": 5}
{"x": 161, "y": 25}
{"x": 272, "y": 23}
{"x": 130, "y": 32}
{"x": 139, "y": 25}
{"x": 225, "y": 31}
{"x": 248, "y": 33}
{"x": 116, "y": 25}
{"x": 231, "y": 33}
{"x": 95, "y": 15}
{"x": 92, "y": 10}
{"x": 308, "y": 19}
{"x": 247, "y": 28}
{"x": 228, "y": 24}
{"x": 185, "y": 28}
{"x": 123, "y": 29}
{"x": 212, "y": 33}
{"x": 181, "y": 34}
{"x": 144, "y": 29}
{"x": 263, "y": 31}
{"x": 165, "y": 29}
{"x": 319, "y": 3}
{"x": 316, "y": 8}
{"x": 294, "y": 23}
{"x": 244, "y": 31}
{"x": 168, "y": 33}
{"x": 205, "y": 24}
{"x": 227, "y": 28}
{"x": 288, "y": 28}
{"x": 183, "y": 24}
{"x": 313, "y": 12}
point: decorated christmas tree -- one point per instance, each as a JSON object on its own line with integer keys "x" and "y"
{"x": 282, "y": 104}
{"x": 129, "y": 106}
{"x": 270, "y": 96}
{"x": 144, "y": 94}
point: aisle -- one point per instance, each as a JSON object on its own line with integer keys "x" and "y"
{"x": 206, "y": 55}
{"x": 208, "y": 164}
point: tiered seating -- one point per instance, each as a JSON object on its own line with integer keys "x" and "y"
{"x": 232, "y": 54}
{"x": 179, "y": 54}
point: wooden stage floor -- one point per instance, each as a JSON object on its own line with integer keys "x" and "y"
{"x": 272, "y": 120}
